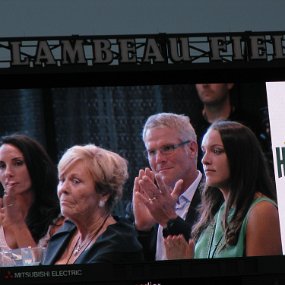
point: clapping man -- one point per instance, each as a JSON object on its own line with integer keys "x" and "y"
{"x": 172, "y": 150}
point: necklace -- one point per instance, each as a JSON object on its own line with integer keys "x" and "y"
{"x": 79, "y": 247}
{"x": 214, "y": 232}
{"x": 211, "y": 242}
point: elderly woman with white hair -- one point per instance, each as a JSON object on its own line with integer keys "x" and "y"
{"x": 91, "y": 181}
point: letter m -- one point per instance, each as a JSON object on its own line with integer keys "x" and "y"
{"x": 73, "y": 53}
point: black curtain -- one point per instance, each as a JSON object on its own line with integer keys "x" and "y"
{"x": 111, "y": 117}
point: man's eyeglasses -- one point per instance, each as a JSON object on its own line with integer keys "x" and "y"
{"x": 165, "y": 150}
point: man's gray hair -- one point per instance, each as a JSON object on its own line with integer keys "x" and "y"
{"x": 181, "y": 123}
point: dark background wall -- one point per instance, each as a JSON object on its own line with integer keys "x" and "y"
{"x": 110, "y": 116}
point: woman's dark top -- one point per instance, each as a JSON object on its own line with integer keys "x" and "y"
{"x": 118, "y": 244}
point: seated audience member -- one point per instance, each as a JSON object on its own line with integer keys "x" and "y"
{"x": 91, "y": 181}
{"x": 171, "y": 149}
{"x": 238, "y": 215}
{"x": 218, "y": 104}
{"x": 29, "y": 212}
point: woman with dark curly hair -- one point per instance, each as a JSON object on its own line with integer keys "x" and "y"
{"x": 238, "y": 214}
{"x": 29, "y": 208}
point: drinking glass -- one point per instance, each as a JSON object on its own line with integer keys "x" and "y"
{"x": 32, "y": 255}
{"x": 7, "y": 259}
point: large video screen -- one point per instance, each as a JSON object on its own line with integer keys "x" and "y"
{"x": 113, "y": 117}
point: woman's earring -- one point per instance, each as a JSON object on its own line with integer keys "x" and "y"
{"x": 101, "y": 204}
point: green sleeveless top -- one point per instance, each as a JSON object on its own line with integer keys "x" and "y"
{"x": 211, "y": 243}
